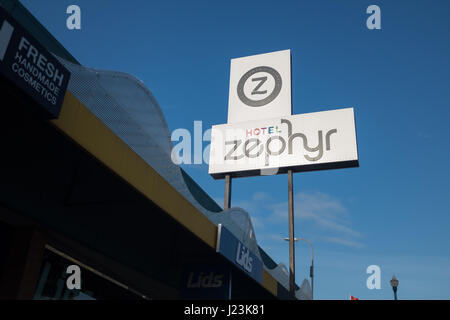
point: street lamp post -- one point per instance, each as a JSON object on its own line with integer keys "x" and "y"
{"x": 394, "y": 284}
{"x": 311, "y": 269}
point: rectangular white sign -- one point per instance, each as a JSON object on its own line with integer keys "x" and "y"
{"x": 260, "y": 87}
{"x": 303, "y": 142}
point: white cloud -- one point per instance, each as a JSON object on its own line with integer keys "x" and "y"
{"x": 257, "y": 223}
{"x": 261, "y": 196}
{"x": 345, "y": 242}
{"x": 326, "y": 211}
{"x": 325, "y": 217}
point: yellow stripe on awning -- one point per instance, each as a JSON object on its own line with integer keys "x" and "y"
{"x": 83, "y": 127}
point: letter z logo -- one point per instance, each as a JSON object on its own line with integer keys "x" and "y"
{"x": 256, "y": 91}
{"x": 5, "y": 36}
{"x": 261, "y": 82}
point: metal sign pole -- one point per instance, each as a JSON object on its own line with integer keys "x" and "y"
{"x": 230, "y": 287}
{"x": 311, "y": 273}
{"x": 227, "y": 197}
{"x": 291, "y": 234}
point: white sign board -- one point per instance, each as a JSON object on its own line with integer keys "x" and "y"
{"x": 303, "y": 142}
{"x": 260, "y": 87}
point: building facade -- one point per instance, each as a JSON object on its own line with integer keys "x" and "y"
{"x": 92, "y": 185}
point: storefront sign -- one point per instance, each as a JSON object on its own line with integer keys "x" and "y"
{"x": 26, "y": 63}
{"x": 241, "y": 256}
{"x": 206, "y": 282}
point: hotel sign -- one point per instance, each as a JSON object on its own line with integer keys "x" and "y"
{"x": 27, "y": 64}
{"x": 303, "y": 142}
{"x": 262, "y": 137}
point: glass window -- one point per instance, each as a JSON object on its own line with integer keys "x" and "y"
{"x": 52, "y": 282}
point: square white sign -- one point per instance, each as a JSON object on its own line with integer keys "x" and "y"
{"x": 260, "y": 87}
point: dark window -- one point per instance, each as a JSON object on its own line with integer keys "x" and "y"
{"x": 52, "y": 283}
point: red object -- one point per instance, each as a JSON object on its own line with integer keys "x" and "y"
{"x": 353, "y": 298}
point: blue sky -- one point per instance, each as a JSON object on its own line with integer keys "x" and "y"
{"x": 392, "y": 211}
